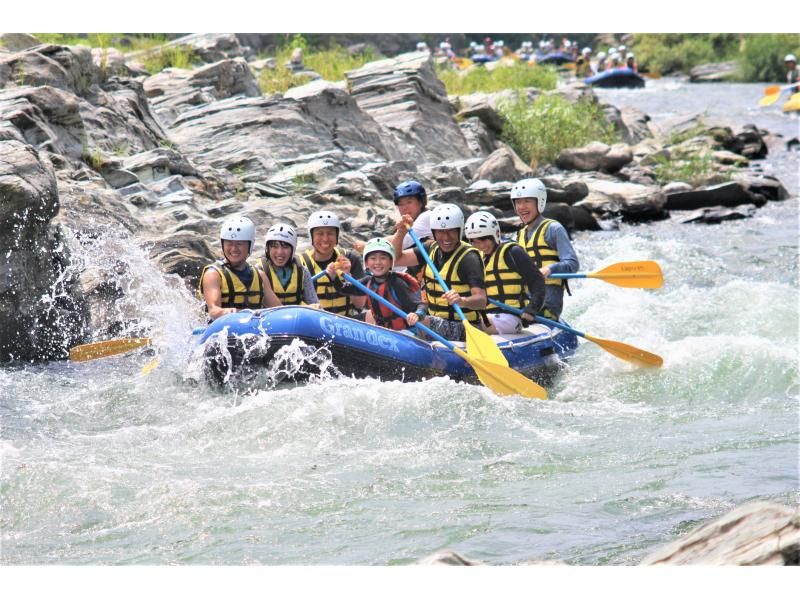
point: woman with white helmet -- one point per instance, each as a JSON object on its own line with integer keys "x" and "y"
{"x": 509, "y": 272}
{"x": 289, "y": 278}
{"x": 545, "y": 240}
{"x": 231, "y": 284}
{"x": 398, "y": 288}
{"x": 459, "y": 264}
{"x": 323, "y": 231}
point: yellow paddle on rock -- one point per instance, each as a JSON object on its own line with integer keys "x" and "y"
{"x": 632, "y": 275}
{"x": 479, "y": 343}
{"x": 501, "y": 379}
{"x": 108, "y": 348}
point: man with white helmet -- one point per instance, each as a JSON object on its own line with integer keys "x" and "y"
{"x": 231, "y": 284}
{"x": 459, "y": 264}
{"x": 289, "y": 278}
{"x": 793, "y": 76}
{"x": 601, "y": 62}
{"x": 398, "y": 288}
{"x": 323, "y": 231}
{"x": 510, "y": 275}
{"x": 545, "y": 240}
{"x": 630, "y": 62}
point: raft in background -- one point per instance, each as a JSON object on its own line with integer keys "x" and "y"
{"x": 248, "y": 341}
{"x": 620, "y": 77}
{"x": 556, "y": 58}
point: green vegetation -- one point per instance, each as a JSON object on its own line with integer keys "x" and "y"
{"x": 157, "y": 59}
{"x": 518, "y": 76}
{"x": 695, "y": 169}
{"x": 331, "y": 64}
{"x": 759, "y": 56}
{"x": 94, "y": 158}
{"x": 304, "y": 179}
{"x": 539, "y": 130}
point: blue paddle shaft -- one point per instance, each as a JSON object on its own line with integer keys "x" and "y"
{"x": 435, "y": 270}
{"x": 395, "y": 309}
{"x": 539, "y": 319}
{"x": 318, "y": 275}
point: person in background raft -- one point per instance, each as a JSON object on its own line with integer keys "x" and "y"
{"x": 793, "y": 76}
{"x": 288, "y": 277}
{"x": 231, "y": 284}
{"x": 510, "y": 275}
{"x": 323, "y": 231}
{"x": 631, "y": 63}
{"x": 398, "y": 288}
{"x": 601, "y": 62}
{"x": 460, "y": 266}
{"x": 546, "y": 241}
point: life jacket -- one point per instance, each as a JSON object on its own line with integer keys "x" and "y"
{"x": 543, "y": 255}
{"x": 502, "y": 283}
{"x": 292, "y": 294}
{"x": 329, "y": 299}
{"x": 437, "y": 304}
{"x": 383, "y": 315}
{"x": 232, "y": 289}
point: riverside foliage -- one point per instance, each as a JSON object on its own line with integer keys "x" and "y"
{"x": 539, "y": 130}
{"x": 476, "y": 79}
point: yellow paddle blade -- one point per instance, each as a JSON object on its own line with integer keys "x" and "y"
{"x": 769, "y": 100}
{"x": 627, "y": 352}
{"x": 792, "y": 104}
{"x": 106, "y": 348}
{"x": 482, "y": 346}
{"x": 502, "y": 380}
{"x": 150, "y": 366}
{"x": 633, "y": 275}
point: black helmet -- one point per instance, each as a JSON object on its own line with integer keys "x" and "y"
{"x": 409, "y": 189}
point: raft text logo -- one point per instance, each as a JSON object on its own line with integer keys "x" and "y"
{"x": 342, "y": 329}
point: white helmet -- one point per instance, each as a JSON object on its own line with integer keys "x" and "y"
{"x": 621, "y": 48}
{"x": 601, "y": 56}
{"x": 323, "y": 218}
{"x": 238, "y": 228}
{"x": 587, "y": 50}
{"x": 282, "y": 232}
{"x": 532, "y": 189}
{"x": 631, "y": 55}
{"x": 612, "y": 50}
{"x": 378, "y": 244}
{"x": 447, "y": 216}
{"x": 482, "y": 224}
{"x": 790, "y": 58}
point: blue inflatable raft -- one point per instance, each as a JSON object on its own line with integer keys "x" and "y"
{"x": 621, "y": 77}
{"x": 556, "y": 58}
{"x": 250, "y": 340}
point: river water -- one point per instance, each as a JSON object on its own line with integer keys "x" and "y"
{"x": 104, "y": 465}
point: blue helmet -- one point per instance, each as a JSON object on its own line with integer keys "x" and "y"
{"x": 410, "y": 188}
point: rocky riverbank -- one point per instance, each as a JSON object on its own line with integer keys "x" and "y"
{"x": 93, "y": 147}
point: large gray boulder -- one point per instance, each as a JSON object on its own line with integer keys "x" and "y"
{"x": 324, "y": 134}
{"x": 503, "y": 165}
{"x": 595, "y": 156}
{"x": 69, "y": 68}
{"x": 42, "y": 312}
{"x": 631, "y": 201}
{"x": 406, "y": 98}
{"x": 172, "y": 91}
{"x": 752, "y": 534}
{"x": 730, "y": 194}
{"x": 713, "y": 72}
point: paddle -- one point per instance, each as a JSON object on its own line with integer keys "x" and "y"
{"x": 318, "y": 275}
{"x": 633, "y": 275}
{"x": 478, "y": 342}
{"x": 616, "y": 348}
{"x": 772, "y": 93}
{"x": 501, "y": 379}
{"x": 108, "y": 348}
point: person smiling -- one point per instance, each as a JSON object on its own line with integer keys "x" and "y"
{"x": 287, "y": 275}
{"x": 231, "y": 284}
{"x": 398, "y": 288}
{"x": 461, "y": 268}
{"x": 323, "y": 230}
{"x": 546, "y": 241}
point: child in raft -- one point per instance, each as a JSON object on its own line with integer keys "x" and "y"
{"x": 398, "y": 288}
